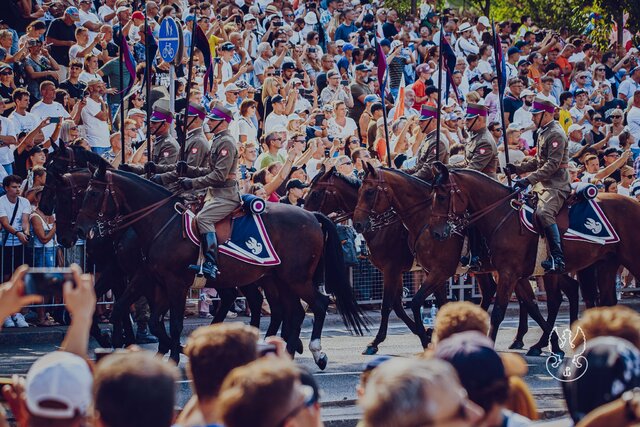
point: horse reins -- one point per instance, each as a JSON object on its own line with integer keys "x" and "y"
{"x": 75, "y": 193}
{"x": 330, "y": 190}
{"x": 120, "y": 222}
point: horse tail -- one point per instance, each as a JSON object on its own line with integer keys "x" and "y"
{"x": 337, "y": 279}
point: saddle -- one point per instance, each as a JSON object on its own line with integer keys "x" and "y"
{"x": 581, "y": 218}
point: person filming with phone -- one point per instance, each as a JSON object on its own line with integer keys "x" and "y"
{"x": 335, "y": 91}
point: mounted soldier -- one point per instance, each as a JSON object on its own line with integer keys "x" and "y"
{"x": 166, "y": 149}
{"x": 432, "y": 149}
{"x": 549, "y": 176}
{"x": 220, "y": 179}
{"x": 481, "y": 150}
{"x": 196, "y": 148}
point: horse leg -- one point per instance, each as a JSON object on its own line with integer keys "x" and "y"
{"x": 103, "y": 339}
{"x": 227, "y": 298}
{"x": 177, "y": 303}
{"x": 254, "y": 301}
{"x": 273, "y": 297}
{"x": 506, "y": 284}
{"x": 392, "y": 289}
{"x": 527, "y": 298}
{"x": 319, "y": 306}
{"x": 587, "y": 278}
{"x": 607, "y": 271}
{"x": 433, "y": 281}
{"x": 569, "y": 286}
{"x": 120, "y": 313}
{"x": 523, "y": 318}
{"x": 488, "y": 288}
{"x": 159, "y": 304}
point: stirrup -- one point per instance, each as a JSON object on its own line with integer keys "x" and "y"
{"x": 550, "y": 265}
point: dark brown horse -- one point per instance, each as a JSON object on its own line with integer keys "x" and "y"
{"x": 410, "y": 198}
{"x": 110, "y": 198}
{"x": 118, "y": 258}
{"x": 486, "y": 203}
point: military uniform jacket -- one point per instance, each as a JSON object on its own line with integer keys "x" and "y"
{"x": 427, "y": 156}
{"x": 482, "y": 153}
{"x": 549, "y": 167}
{"x": 219, "y": 176}
{"x": 166, "y": 153}
{"x": 196, "y": 154}
{"x": 166, "y": 150}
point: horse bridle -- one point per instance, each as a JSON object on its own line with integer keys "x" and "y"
{"x": 458, "y": 220}
{"x": 108, "y": 227}
{"x": 390, "y": 215}
{"x": 76, "y": 190}
{"x": 330, "y": 189}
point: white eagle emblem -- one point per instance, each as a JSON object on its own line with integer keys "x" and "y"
{"x": 254, "y": 246}
{"x": 594, "y": 226}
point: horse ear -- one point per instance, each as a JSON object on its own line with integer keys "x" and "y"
{"x": 371, "y": 169}
{"x": 441, "y": 173}
{"x": 323, "y": 169}
{"x": 62, "y": 144}
{"x": 102, "y": 169}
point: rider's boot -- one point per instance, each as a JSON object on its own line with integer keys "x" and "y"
{"x": 209, "y": 268}
{"x": 472, "y": 260}
{"x": 555, "y": 262}
{"x": 143, "y": 335}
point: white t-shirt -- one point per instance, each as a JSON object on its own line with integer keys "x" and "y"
{"x": 633, "y": 122}
{"x": 337, "y": 131}
{"x": 484, "y": 67}
{"x": 104, "y": 11}
{"x": 76, "y": 48}
{"x": 25, "y": 123}
{"x": 97, "y": 130}
{"x": 85, "y": 77}
{"x": 43, "y": 111}
{"x": 245, "y": 127}
{"x": 577, "y": 114}
{"x": 624, "y": 191}
{"x": 89, "y": 17}
{"x": 6, "y": 209}
{"x": 524, "y": 118}
{"x": 274, "y": 120}
{"x": 6, "y": 151}
{"x": 628, "y": 87}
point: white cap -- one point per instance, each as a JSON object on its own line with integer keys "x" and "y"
{"x": 60, "y": 377}
{"x": 484, "y": 21}
{"x": 231, "y": 87}
{"x": 310, "y": 18}
{"x": 134, "y": 111}
{"x": 248, "y": 17}
{"x": 395, "y": 44}
{"x": 527, "y": 92}
{"x": 575, "y": 127}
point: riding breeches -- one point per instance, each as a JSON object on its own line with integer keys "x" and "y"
{"x": 215, "y": 210}
{"x": 550, "y": 201}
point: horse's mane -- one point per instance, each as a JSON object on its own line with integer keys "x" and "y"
{"x": 81, "y": 153}
{"x": 480, "y": 175}
{"x": 406, "y": 175}
{"x": 145, "y": 182}
{"x": 352, "y": 181}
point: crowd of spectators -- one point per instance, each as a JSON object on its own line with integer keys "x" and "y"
{"x": 238, "y": 380}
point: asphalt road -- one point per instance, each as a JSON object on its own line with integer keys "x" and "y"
{"x": 338, "y": 381}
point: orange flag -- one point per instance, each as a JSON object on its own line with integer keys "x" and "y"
{"x": 400, "y": 101}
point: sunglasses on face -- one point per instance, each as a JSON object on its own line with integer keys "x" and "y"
{"x": 629, "y": 176}
{"x": 73, "y": 128}
{"x": 616, "y": 117}
{"x": 346, "y": 163}
{"x": 6, "y": 73}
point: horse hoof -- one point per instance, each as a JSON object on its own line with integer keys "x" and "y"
{"x": 534, "y": 351}
{"x": 181, "y": 349}
{"x": 322, "y": 362}
{"x": 299, "y": 347}
{"x": 370, "y": 350}
{"x": 175, "y": 356}
{"x": 516, "y": 345}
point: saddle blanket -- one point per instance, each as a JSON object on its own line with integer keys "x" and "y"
{"x": 249, "y": 241}
{"x": 587, "y": 223}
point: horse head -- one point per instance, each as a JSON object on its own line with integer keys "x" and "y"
{"x": 373, "y": 198}
{"x": 100, "y": 204}
{"x": 69, "y": 195}
{"x": 449, "y": 202}
{"x": 333, "y": 192}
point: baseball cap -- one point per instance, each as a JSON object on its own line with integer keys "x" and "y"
{"x": 363, "y": 67}
{"x": 473, "y": 357}
{"x": 395, "y": 44}
{"x": 60, "y": 377}
{"x": 385, "y": 42}
{"x": 190, "y": 18}
{"x": 634, "y": 69}
{"x": 513, "y": 50}
{"x": 423, "y": 68}
{"x": 310, "y": 18}
{"x": 635, "y": 188}
{"x": 347, "y": 47}
{"x": 277, "y": 98}
{"x": 134, "y": 111}
{"x": 249, "y": 17}
{"x": 609, "y": 367}
{"x": 73, "y": 13}
{"x": 122, "y": 9}
{"x": 465, "y": 27}
{"x": 523, "y": 62}
{"x": 295, "y": 183}
{"x": 579, "y": 92}
{"x": 371, "y": 98}
{"x": 484, "y": 21}
{"x": 220, "y": 112}
{"x": 527, "y": 92}
{"x": 289, "y": 66}
{"x": 232, "y": 87}
{"x": 574, "y": 127}
{"x": 137, "y": 15}
{"x": 227, "y": 46}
